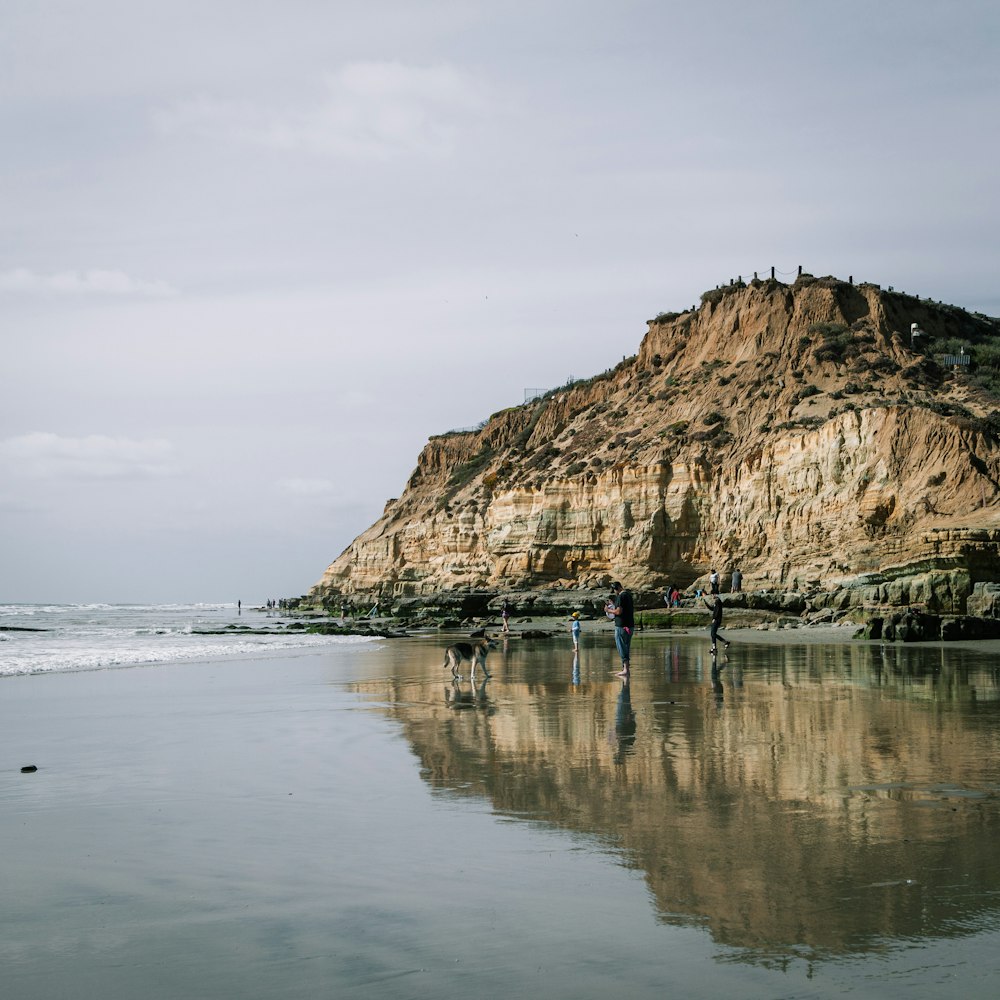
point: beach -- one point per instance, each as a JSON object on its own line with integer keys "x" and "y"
{"x": 815, "y": 817}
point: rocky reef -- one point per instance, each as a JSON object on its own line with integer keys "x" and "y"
{"x": 816, "y": 435}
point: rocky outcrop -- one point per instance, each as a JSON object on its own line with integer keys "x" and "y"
{"x": 788, "y": 430}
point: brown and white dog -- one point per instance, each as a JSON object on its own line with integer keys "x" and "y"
{"x": 475, "y": 652}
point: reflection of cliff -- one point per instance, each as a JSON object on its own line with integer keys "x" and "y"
{"x": 832, "y": 802}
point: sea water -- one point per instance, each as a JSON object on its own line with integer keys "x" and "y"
{"x": 39, "y": 638}
{"x": 795, "y": 819}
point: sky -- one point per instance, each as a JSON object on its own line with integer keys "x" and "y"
{"x": 255, "y": 254}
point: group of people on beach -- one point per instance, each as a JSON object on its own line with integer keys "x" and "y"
{"x": 673, "y": 598}
{"x": 620, "y": 609}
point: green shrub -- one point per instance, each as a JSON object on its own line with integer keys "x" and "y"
{"x": 828, "y": 329}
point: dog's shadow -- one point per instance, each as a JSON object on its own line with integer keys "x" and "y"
{"x": 457, "y": 696}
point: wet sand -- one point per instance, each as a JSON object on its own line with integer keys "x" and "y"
{"x": 813, "y": 819}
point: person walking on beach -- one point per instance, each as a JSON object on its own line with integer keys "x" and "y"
{"x": 623, "y": 612}
{"x": 574, "y": 627}
{"x": 713, "y": 581}
{"x": 505, "y": 615}
{"x": 713, "y": 629}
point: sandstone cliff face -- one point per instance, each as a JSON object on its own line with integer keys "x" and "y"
{"x": 789, "y": 430}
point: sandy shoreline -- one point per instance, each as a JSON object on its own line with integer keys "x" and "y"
{"x": 775, "y": 635}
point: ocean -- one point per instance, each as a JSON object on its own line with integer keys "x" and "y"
{"x": 42, "y": 638}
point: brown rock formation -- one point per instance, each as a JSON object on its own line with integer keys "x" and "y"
{"x": 789, "y": 430}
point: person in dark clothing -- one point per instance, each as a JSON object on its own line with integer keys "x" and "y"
{"x": 624, "y": 615}
{"x": 716, "y": 609}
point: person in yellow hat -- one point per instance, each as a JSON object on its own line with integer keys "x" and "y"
{"x": 574, "y": 627}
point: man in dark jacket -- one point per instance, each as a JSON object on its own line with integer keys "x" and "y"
{"x": 713, "y": 629}
{"x": 624, "y": 615}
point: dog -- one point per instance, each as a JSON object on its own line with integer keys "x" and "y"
{"x": 476, "y": 652}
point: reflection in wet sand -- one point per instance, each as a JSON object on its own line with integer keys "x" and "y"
{"x": 797, "y": 799}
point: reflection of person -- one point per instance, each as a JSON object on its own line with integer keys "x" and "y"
{"x": 713, "y": 629}
{"x": 624, "y": 721}
{"x": 505, "y": 614}
{"x": 717, "y": 688}
{"x": 574, "y": 627}
{"x": 576, "y": 668}
{"x": 624, "y": 615}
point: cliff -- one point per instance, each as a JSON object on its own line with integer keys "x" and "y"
{"x": 793, "y": 431}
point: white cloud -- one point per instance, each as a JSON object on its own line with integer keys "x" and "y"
{"x": 43, "y": 455}
{"x": 368, "y": 110}
{"x": 93, "y": 282}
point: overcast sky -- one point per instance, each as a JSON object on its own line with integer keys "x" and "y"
{"x": 255, "y": 254}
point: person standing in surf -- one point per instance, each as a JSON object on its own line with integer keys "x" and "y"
{"x": 623, "y": 613}
{"x": 574, "y": 628}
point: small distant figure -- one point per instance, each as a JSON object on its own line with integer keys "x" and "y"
{"x": 574, "y": 627}
{"x": 239, "y": 607}
{"x": 505, "y": 615}
{"x": 737, "y": 582}
{"x": 713, "y": 629}
{"x": 713, "y": 581}
{"x": 675, "y": 597}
